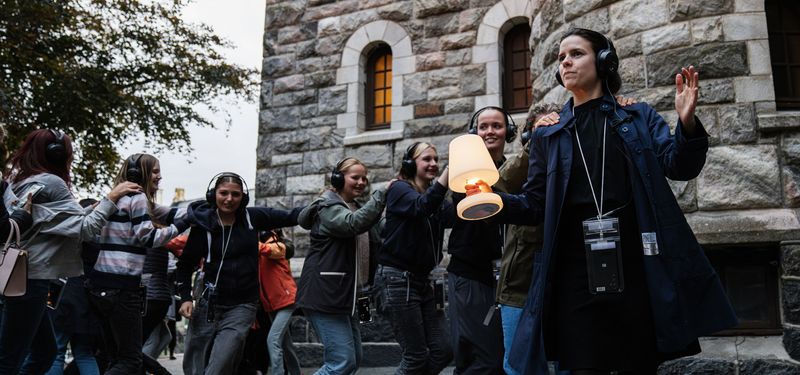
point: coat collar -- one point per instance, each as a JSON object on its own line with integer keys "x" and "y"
{"x": 567, "y": 118}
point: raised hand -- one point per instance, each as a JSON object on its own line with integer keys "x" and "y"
{"x": 687, "y": 85}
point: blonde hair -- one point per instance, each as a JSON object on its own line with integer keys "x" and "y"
{"x": 345, "y": 164}
{"x": 415, "y": 152}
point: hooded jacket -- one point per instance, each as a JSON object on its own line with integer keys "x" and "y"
{"x": 686, "y": 296}
{"x": 60, "y": 224}
{"x": 328, "y": 280}
{"x": 236, "y": 273}
{"x": 276, "y": 285}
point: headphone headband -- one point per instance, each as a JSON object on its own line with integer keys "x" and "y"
{"x": 211, "y": 197}
{"x": 227, "y": 174}
{"x": 511, "y": 127}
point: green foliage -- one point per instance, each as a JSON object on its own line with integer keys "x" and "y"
{"x": 107, "y": 71}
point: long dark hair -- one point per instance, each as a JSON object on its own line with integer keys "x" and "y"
{"x": 598, "y": 41}
{"x": 31, "y": 159}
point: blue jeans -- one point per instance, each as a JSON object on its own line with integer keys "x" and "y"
{"x": 26, "y": 329}
{"x": 419, "y": 328}
{"x": 340, "y": 335}
{"x": 510, "y": 317}
{"x": 82, "y": 350}
{"x": 280, "y": 345}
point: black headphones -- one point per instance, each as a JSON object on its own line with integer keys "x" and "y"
{"x": 133, "y": 173}
{"x": 337, "y": 178}
{"x": 511, "y": 127}
{"x": 211, "y": 191}
{"x": 409, "y": 167}
{"x": 606, "y": 61}
{"x": 56, "y": 151}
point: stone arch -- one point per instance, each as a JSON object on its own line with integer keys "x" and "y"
{"x": 488, "y": 46}
{"x": 351, "y": 74}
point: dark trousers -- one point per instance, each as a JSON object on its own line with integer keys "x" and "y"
{"x": 478, "y": 346}
{"x": 121, "y": 312}
{"x": 26, "y": 329}
{"x": 418, "y": 326}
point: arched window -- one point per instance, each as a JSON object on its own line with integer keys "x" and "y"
{"x": 378, "y": 95}
{"x": 517, "y": 93}
{"x": 784, "y": 50}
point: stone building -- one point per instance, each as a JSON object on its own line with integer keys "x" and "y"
{"x": 366, "y": 78}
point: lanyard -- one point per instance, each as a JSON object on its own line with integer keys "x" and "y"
{"x": 224, "y": 244}
{"x": 598, "y": 205}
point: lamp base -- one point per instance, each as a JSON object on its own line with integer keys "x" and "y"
{"x": 479, "y": 206}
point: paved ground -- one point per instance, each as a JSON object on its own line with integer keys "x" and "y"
{"x": 174, "y": 366}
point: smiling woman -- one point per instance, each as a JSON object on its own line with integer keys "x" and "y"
{"x": 225, "y": 238}
{"x": 340, "y": 265}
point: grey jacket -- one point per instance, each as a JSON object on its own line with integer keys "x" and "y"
{"x": 59, "y": 226}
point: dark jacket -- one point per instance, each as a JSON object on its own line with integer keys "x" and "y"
{"x": 328, "y": 280}
{"x": 238, "y": 281}
{"x": 521, "y": 242}
{"x": 686, "y": 296}
{"x": 413, "y": 231}
{"x": 474, "y": 245}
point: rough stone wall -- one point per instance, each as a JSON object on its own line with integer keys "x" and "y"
{"x": 299, "y": 140}
{"x": 748, "y": 192}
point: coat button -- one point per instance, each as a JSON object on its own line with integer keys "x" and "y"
{"x": 638, "y": 150}
{"x": 624, "y": 129}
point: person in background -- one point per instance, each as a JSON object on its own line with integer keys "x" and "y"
{"x": 115, "y": 283}
{"x": 74, "y": 322}
{"x": 412, "y": 249}
{"x": 44, "y": 162}
{"x": 475, "y": 249}
{"x": 340, "y": 263}
{"x": 226, "y": 235}
{"x": 277, "y": 294}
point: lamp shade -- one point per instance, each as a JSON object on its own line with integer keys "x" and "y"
{"x": 472, "y": 166}
{"x": 470, "y": 161}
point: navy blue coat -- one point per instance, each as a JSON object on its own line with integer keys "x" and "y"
{"x": 686, "y": 295}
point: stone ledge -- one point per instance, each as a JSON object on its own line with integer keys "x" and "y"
{"x": 745, "y": 226}
{"x": 779, "y": 121}
{"x": 373, "y": 137}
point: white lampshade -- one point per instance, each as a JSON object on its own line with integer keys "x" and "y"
{"x": 470, "y": 161}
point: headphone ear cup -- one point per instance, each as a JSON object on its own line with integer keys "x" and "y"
{"x": 55, "y": 153}
{"x": 211, "y": 197}
{"x": 472, "y": 130}
{"x": 409, "y": 167}
{"x": 337, "y": 179}
{"x": 511, "y": 130}
{"x": 134, "y": 175}
{"x": 558, "y": 78}
{"x": 245, "y": 201}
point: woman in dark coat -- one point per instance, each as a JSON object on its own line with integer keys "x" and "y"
{"x": 627, "y": 303}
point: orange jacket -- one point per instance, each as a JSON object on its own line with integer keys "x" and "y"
{"x": 277, "y": 288}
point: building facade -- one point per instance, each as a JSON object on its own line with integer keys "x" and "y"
{"x": 367, "y": 78}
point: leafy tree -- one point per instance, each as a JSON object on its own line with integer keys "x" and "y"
{"x": 108, "y": 71}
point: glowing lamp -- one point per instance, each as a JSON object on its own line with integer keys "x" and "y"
{"x": 472, "y": 171}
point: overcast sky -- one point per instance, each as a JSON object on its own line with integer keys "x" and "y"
{"x": 217, "y": 150}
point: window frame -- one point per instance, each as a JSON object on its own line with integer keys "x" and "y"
{"x": 370, "y": 107}
{"x": 510, "y": 85}
{"x": 725, "y": 259}
{"x": 776, "y": 32}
